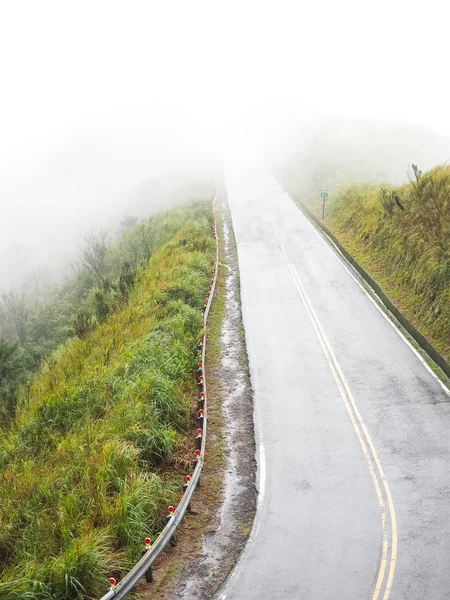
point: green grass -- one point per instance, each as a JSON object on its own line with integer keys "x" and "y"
{"x": 406, "y": 248}
{"x": 83, "y": 467}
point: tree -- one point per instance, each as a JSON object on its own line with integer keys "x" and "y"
{"x": 12, "y": 369}
{"x": 16, "y": 309}
{"x": 417, "y": 172}
{"x": 128, "y": 223}
{"x": 82, "y": 324}
{"x": 94, "y": 254}
{"x": 126, "y": 279}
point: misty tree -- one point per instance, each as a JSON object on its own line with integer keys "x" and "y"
{"x": 135, "y": 247}
{"x": 15, "y": 315}
{"x": 417, "y": 172}
{"x": 126, "y": 279}
{"x": 95, "y": 252}
{"x": 82, "y": 324}
{"x": 102, "y": 305}
{"x": 12, "y": 369}
{"x": 6, "y": 332}
{"x": 147, "y": 232}
{"x": 128, "y": 223}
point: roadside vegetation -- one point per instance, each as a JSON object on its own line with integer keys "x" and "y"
{"x": 401, "y": 235}
{"x": 96, "y": 388}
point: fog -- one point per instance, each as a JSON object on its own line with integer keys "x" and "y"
{"x": 90, "y": 181}
{"x": 331, "y": 153}
{"x": 108, "y": 108}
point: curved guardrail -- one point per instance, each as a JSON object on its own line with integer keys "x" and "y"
{"x": 143, "y": 567}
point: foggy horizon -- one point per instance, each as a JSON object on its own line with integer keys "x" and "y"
{"x": 99, "y": 99}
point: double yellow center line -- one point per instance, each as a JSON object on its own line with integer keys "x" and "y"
{"x": 388, "y": 519}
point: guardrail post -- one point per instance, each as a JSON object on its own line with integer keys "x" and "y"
{"x": 197, "y": 456}
{"x": 173, "y": 541}
{"x": 187, "y": 480}
{"x": 200, "y": 418}
{"x": 198, "y": 439}
{"x": 201, "y": 401}
{"x": 148, "y": 573}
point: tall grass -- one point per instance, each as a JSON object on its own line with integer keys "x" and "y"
{"x": 402, "y": 236}
{"x": 82, "y": 468}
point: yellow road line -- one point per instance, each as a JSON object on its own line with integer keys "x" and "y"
{"x": 361, "y": 432}
{"x": 394, "y": 534}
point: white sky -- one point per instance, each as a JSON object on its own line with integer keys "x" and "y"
{"x": 67, "y": 64}
{"x": 165, "y": 77}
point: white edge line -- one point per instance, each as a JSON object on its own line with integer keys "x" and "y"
{"x": 261, "y": 479}
{"x": 341, "y": 258}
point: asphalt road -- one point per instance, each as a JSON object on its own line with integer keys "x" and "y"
{"x": 352, "y": 428}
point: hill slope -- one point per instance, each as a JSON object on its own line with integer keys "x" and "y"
{"x": 84, "y": 464}
{"x": 402, "y": 237}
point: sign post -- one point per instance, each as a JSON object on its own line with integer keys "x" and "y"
{"x": 323, "y": 195}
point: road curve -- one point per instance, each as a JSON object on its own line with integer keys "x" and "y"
{"x": 352, "y": 428}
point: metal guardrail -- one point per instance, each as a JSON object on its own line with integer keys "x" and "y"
{"x": 143, "y": 567}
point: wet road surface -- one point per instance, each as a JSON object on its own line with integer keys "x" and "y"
{"x": 353, "y": 431}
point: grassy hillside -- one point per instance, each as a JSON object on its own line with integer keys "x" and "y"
{"x": 37, "y": 318}
{"x": 402, "y": 237}
{"x": 84, "y": 464}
